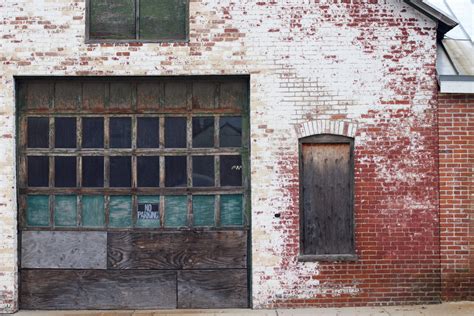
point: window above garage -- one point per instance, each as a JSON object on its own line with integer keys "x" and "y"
{"x": 136, "y": 20}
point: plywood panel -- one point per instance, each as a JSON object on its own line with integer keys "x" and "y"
{"x": 97, "y": 289}
{"x": 66, "y": 250}
{"x": 177, "y": 250}
{"x": 212, "y": 289}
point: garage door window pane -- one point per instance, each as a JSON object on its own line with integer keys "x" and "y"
{"x": 203, "y": 132}
{"x": 148, "y": 171}
{"x": 230, "y": 131}
{"x": 148, "y": 131}
{"x": 231, "y": 171}
{"x": 120, "y": 172}
{"x": 203, "y": 171}
{"x": 65, "y": 132}
{"x": 175, "y": 171}
{"x": 92, "y": 132}
{"x": 120, "y": 132}
{"x": 38, "y": 171}
{"x": 64, "y": 172}
{"x": 93, "y": 171}
{"x": 38, "y": 132}
{"x": 175, "y": 132}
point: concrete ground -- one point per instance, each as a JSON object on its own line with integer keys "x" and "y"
{"x": 445, "y": 309}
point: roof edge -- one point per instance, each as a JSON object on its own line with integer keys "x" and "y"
{"x": 456, "y": 84}
{"x": 445, "y": 22}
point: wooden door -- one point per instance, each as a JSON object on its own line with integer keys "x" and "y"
{"x": 133, "y": 193}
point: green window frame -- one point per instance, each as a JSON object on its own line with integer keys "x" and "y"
{"x": 147, "y": 21}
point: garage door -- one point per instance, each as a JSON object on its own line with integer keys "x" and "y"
{"x": 133, "y": 192}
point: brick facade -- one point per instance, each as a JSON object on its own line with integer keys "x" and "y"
{"x": 456, "y": 167}
{"x": 359, "y": 68}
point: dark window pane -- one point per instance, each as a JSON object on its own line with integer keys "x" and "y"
{"x": 93, "y": 171}
{"x": 112, "y": 19}
{"x": 148, "y": 171}
{"x": 231, "y": 171}
{"x": 64, "y": 172}
{"x": 164, "y": 19}
{"x": 203, "y": 171}
{"x": 120, "y": 132}
{"x": 203, "y": 132}
{"x": 38, "y": 132}
{"x": 120, "y": 172}
{"x": 230, "y": 133}
{"x": 175, "y": 171}
{"x": 92, "y": 132}
{"x": 38, "y": 171}
{"x": 175, "y": 132}
{"x": 65, "y": 132}
{"x": 148, "y": 131}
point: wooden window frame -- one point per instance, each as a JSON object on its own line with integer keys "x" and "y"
{"x": 134, "y": 191}
{"x": 89, "y": 40}
{"x": 325, "y": 139}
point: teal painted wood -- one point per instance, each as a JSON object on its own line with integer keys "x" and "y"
{"x": 148, "y": 223}
{"x": 176, "y": 209}
{"x": 203, "y": 210}
{"x": 231, "y": 210}
{"x": 120, "y": 214}
{"x": 37, "y": 210}
{"x": 65, "y": 210}
{"x": 93, "y": 214}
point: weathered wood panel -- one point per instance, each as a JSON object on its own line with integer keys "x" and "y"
{"x": 175, "y": 95}
{"x": 93, "y": 97}
{"x": 67, "y": 95}
{"x": 120, "y": 96}
{"x": 97, "y": 289}
{"x": 66, "y": 250}
{"x": 233, "y": 95}
{"x": 39, "y": 95}
{"x": 177, "y": 250}
{"x": 150, "y": 95}
{"x": 213, "y": 289}
{"x": 204, "y": 95}
{"x": 327, "y": 199}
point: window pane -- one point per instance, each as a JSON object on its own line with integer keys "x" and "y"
{"x": 38, "y": 132}
{"x": 93, "y": 171}
{"x": 203, "y": 210}
{"x": 230, "y": 134}
{"x": 38, "y": 171}
{"x": 148, "y": 171}
{"x": 64, "y": 172}
{"x": 203, "y": 132}
{"x": 164, "y": 19}
{"x": 231, "y": 210}
{"x": 120, "y": 172}
{"x": 175, "y": 132}
{"x": 175, "y": 171}
{"x": 93, "y": 214}
{"x": 120, "y": 211}
{"x": 112, "y": 19}
{"x": 231, "y": 171}
{"x": 65, "y": 210}
{"x": 120, "y": 132}
{"x": 203, "y": 171}
{"x": 148, "y": 214}
{"x": 37, "y": 210}
{"x": 65, "y": 132}
{"x": 148, "y": 131}
{"x": 92, "y": 132}
{"x": 176, "y": 211}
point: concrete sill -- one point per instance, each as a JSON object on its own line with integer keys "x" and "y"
{"x": 339, "y": 257}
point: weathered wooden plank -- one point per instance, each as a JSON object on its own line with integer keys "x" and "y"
{"x": 327, "y": 199}
{"x": 213, "y": 289}
{"x": 97, "y": 289}
{"x": 64, "y": 250}
{"x": 177, "y": 250}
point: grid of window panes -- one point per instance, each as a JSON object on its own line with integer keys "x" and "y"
{"x": 102, "y": 171}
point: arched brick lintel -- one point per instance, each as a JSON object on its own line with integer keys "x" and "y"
{"x": 335, "y": 127}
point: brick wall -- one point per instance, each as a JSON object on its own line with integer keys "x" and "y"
{"x": 367, "y": 64}
{"x": 456, "y": 158}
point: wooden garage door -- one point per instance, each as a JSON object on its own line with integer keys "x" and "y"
{"x": 133, "y": 192}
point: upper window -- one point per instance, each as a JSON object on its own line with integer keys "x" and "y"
{"x": 137, "y": 20}
{"x": 326, "y": 197}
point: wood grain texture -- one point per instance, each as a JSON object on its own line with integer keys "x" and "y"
{"x": 66, "y": 250}
{"x": 97, "y": 289}
{"x": 177, "y": 250}
{"x": 213, "y": 289}
{"x": 327, "y": 199}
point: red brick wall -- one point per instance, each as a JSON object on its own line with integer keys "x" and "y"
{"x": 456, "y": 147}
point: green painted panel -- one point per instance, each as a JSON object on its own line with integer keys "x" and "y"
{"x": 65, "y": 210}
{"x": 176, "y": 210}
{"x": 146, "y": 222}
{"x": 164, "y": 19}
{"x": 120, "y": 214}
{"x": 93, "y": 214}
{"x": 203, "y": 210}
{"x": 112, "y": 19}
{"x": 231, "y": 210}
{"x": 37, "y": 210}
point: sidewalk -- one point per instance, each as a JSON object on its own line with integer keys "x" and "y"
{"x": 445, "y": 309}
